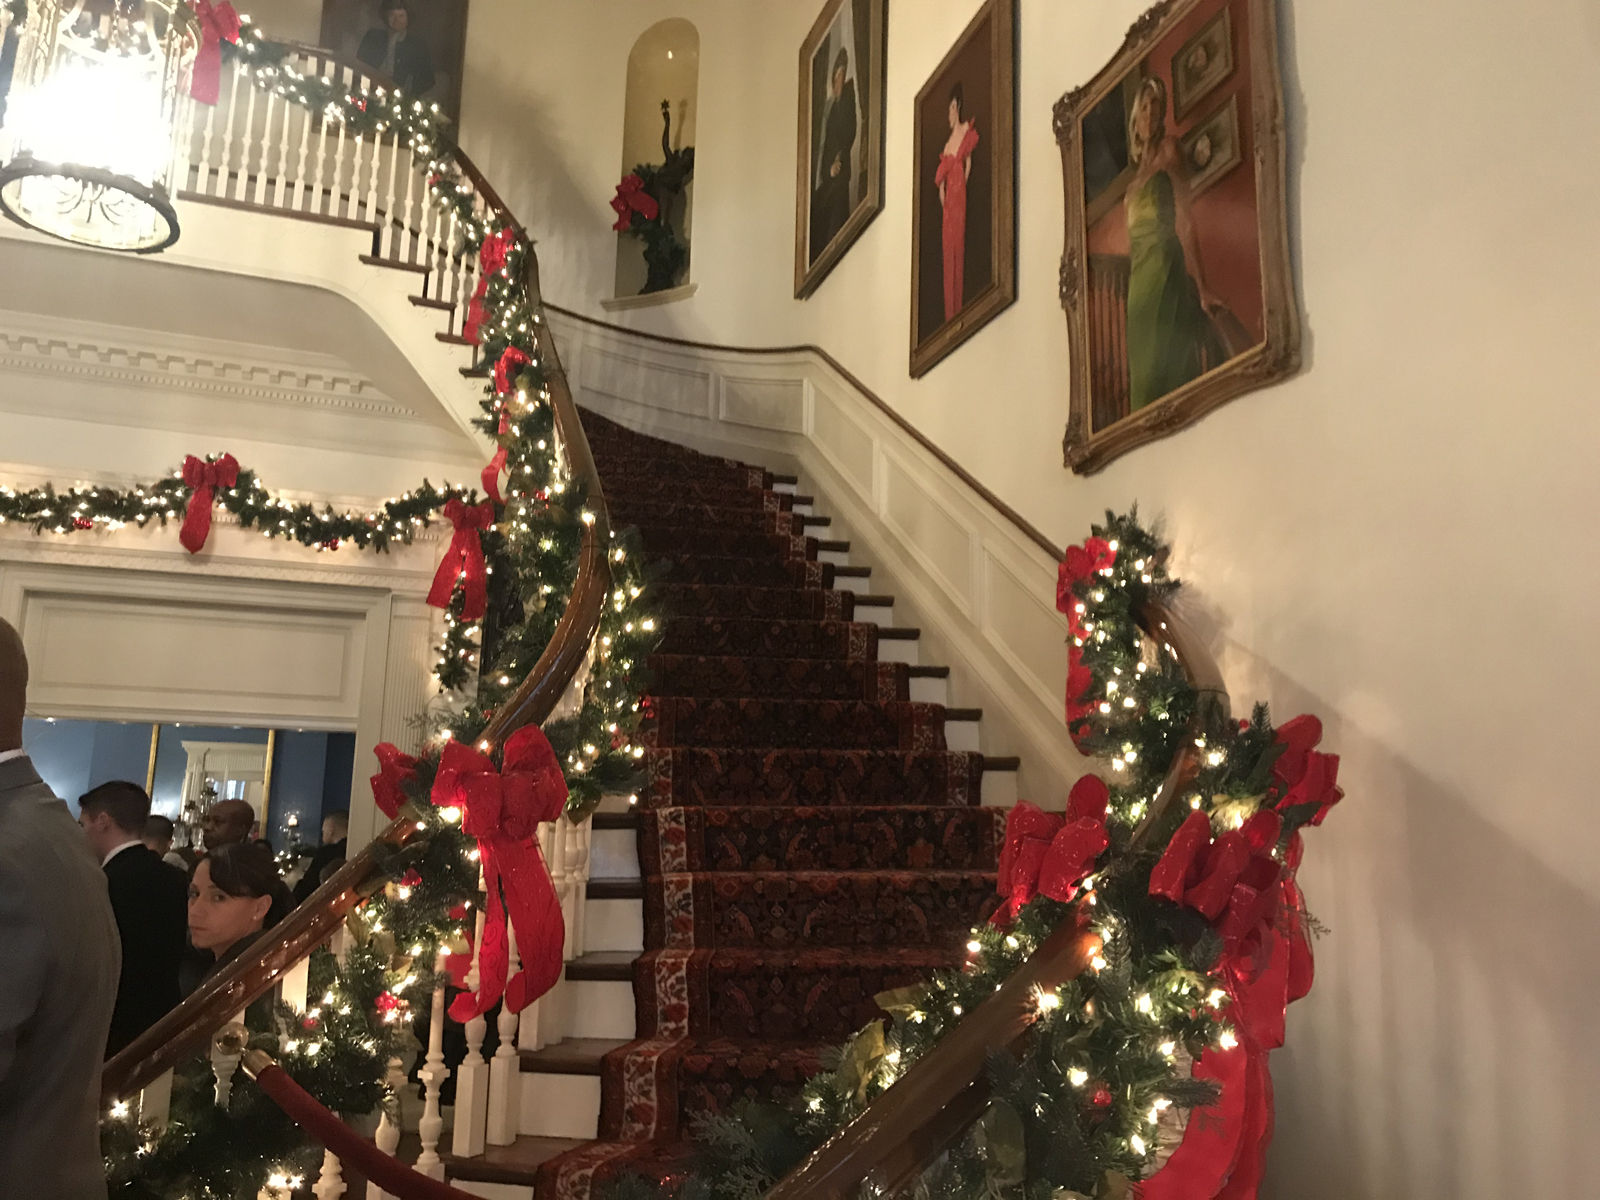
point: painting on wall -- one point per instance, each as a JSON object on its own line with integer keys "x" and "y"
{"x": 963, "y": 227}
{"x": 1176, "y": 277}
{"x": 418, "y": 44}
{"x": 839, "y": 188}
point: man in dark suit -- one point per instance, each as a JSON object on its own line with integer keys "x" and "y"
{"x": 151, "y": 903}
{"x": 831, "y": 201}
{"x": 58, "y": 944}
{"x": 328, "y": 857}
{"x": 397, "y": 52}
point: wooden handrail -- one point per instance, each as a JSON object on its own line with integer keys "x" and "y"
{"x": 187, "y": 1028}
{"x": 929, "y": 1108}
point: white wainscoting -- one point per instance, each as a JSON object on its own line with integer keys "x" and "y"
{"x": 124, "y": 627}
{"x": 980, "y": 589}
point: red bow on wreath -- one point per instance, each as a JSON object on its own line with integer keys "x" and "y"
{"x": 464, "y": 560}
{"x": 1047, "y": 854}
{"x": 1253, "y": 901}
{"x": 502, "y": 810}
{"x": 632, "y": 198}
{"x": 492, "y": 255}
{"x": 217, "y": 25}
{"x": 1080, "y": 565}
{"x": 395, "y": 770}
{"x": 204, "y": 478}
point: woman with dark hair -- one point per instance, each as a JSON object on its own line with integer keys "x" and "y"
{"x": 1171, "y": 335}
{"x": 235, "y": 895}
{"x": 955, "y": 168}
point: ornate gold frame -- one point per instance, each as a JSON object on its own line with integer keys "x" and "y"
{"x": 1277, "y": 355}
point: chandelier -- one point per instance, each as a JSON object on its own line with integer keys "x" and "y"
{"x": 97, "y": 119}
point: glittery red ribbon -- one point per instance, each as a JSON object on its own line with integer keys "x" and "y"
{"x": 395, "y": 770}
{"x": 464, "y": 560}
{"x": 492, "y": 256}
{"x": 1048, "y": 854}
{"x": 502, "y": 809}
{"x": 218, "y": 24}
{"x": 204, "y": 478}
{"x": 491, "y": 473}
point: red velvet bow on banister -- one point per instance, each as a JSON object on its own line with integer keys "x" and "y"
{"x": 1303, "y": 774}
{"x": 204, "y": 478}
{"x": 502, "y": 810}
{"x": 1048, "y": 854}
{"x": 511, "y": 362}
{"x": 395, "y": 770}
{"x": 218, "y": 24}
{"x": 464, "y": 560}
{"x": 492, "y": 255}
{"x": 1079, "y": 564}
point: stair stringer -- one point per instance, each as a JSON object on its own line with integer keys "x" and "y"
{"x": 978, "y": 587}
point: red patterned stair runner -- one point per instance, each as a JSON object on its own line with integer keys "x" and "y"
{"x": 806, "y": 838}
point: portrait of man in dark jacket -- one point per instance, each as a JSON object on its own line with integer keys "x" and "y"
{"x": 830, "y": 204}
{"x": 396, "y": 51}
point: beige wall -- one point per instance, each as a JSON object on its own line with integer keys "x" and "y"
{"x": 1400, "y": 539}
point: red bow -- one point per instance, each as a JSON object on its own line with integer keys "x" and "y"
{"x": 1046, "y": 854}
{"x": 632, "y": 198}
{"x": 492, "y": 256}
{"x": 491, "y": 473}
{"x": 507, "y": 369}
{"x": 204, "y": 478}
{"x": 1305, "y": 776}
{"x": 395, "y": 770}
{"x": 464, "y": 560}
{"x": 217, "y": 25}
{"x": 1081, "y": 563}
{"x": 502, "y": 810}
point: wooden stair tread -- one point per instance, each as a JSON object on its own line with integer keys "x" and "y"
{"x": 605, "y": 966}
{"x": 573, "y": 1056}
{"x": 374, "y": 260}
{"x": 251, "y": 206}
{"x": 898, "y": 633}
{"x": 1002, "y": 763}
{"x": 453, "y": 339}
{"x": 475, "y": 372}
{"x": 963, "y": 714}
{"x": 615, "y": 889}
{"x": 429, "y": 302}
{"x": 921, "y": 672}
{"x": 513, "y": 1164}
{"x": 852, "y": 572}
{"x": 621, "y": 820}
{"x": 873, "y": 600}
{"x": 833, "y": 545}
{"x": 776, "y": 478}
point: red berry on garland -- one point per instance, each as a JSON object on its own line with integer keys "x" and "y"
{"x": 82, "y": 523}
{"x": 1101, "y": 1097}
{"x": 411, "y": 878}
{"x": 309, "y": 1023}
{"x": 386, "y": 1002}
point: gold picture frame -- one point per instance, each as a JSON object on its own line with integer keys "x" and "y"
{"x": 836, "y": 201}
{"x": 964, "y": 272}
{"x": 1179, "y": 291}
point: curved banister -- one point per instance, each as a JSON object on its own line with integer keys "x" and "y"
{"x": 928, "y": 1108}
{"x": 187, "y": 1028}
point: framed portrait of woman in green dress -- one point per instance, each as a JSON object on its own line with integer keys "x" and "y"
{"x": 1176, "y": 277}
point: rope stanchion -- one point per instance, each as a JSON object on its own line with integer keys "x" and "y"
{"x": 389, "y": 1173}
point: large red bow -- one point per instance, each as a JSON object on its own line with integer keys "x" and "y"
{"x": 464, "y": 560}
{"x": 1046, "y": 854}
{"x": 1079, "y": 564}
{"x": 491, "y": 473}
{"x": 204, "y": 478}
{"x": 1304, "y": 775}
{"x": 632, "y": 198}
{"x": 395, "y": 770}
{"x": 502, "y": 810}
{"x": 217, "y": 25}
{"x": 506, "y": 370}
{"x": 492, "y": 256}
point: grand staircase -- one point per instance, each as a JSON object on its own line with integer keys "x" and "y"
{"x": 811, "y": 832}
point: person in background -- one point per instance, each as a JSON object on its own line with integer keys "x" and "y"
{"x": 147, "y": 898}
{"x": 158, "y": 832}
{"x": 235, "y": 896}
{"x": 328, "y": 856}
{"x": 58, "y": 944}
{"x": 396, "y": 52}
{"x": 227, "y": 822}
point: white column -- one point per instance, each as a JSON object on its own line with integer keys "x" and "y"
{"x": 387, "y": 1138}
{"x": 330, "y": 1179}
{"x": 223, "y": 1065}
{"x": 155, "y": 1101}
{"x": 472, "y": 1076}
{"x": 505, "y": 1071}
{"x": 433, "y": 1075}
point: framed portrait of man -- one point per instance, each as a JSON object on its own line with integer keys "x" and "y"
{"x": 1176, "y": 278}
{"x": 963, "y": 191}
{"x": 839, "y": 182}
{"x": 420, "y": 45}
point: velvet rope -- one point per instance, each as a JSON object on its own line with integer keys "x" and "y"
{"x": 388, "y": 1172}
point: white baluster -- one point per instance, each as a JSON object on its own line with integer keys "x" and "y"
{"x": 291, "y": 112}
{"x": 298, "y": 195}
{"x": 433, "y": 1074}
{"x": 432, "y": 219}
{"x": 241, "y": 188}
{"x": 264, "y": 169}
{"x": 387, "y": 1138}
{"x": 225, "y": 1061}
{"x": 338, "y": 167}
{"x": 472, "y": 1076}
{"x": 330, "y": 1178}
{"x": 353, "y": 197}
{"x": 391, "y": 218}
{"x": 294, "y": 984}
{"x": 582, "y": 836}
{"x": 155, "y": 1101}
{"x": 217, "y": 160}
{"x": 400, "y": 244}
{"x": 320, "y": 120}
{"x": 505, "y": 1071}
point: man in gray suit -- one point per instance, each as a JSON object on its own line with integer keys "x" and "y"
{"x": 58, "y": 973}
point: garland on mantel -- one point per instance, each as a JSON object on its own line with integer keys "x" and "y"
{"x": 1202, "y": 944}
{"x": 507, "y": 578}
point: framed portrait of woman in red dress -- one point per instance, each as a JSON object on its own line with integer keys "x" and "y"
{"x": 1176, "y": 276}
{"x": 963, "y": 227}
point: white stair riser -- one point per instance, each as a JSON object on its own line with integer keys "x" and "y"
{"x": 614, "y": 854}
{"x": 599, "y": 1009}
{"x": 958, "y": 735}
{"x": 563, "y": 1106}
{"x": 851, "y": 583}
{"x": 930, "y": 691}
{"x": 875, "y": 616}
{"x": 897, "y": 650}
{"x": 999, "y": 789}
{"x": 839, "y": 558}
{"x": 613, "y": 925}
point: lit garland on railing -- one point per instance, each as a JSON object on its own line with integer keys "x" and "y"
{"x": 1094, "y": 1103}
{"x": 340, "y": 1049}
